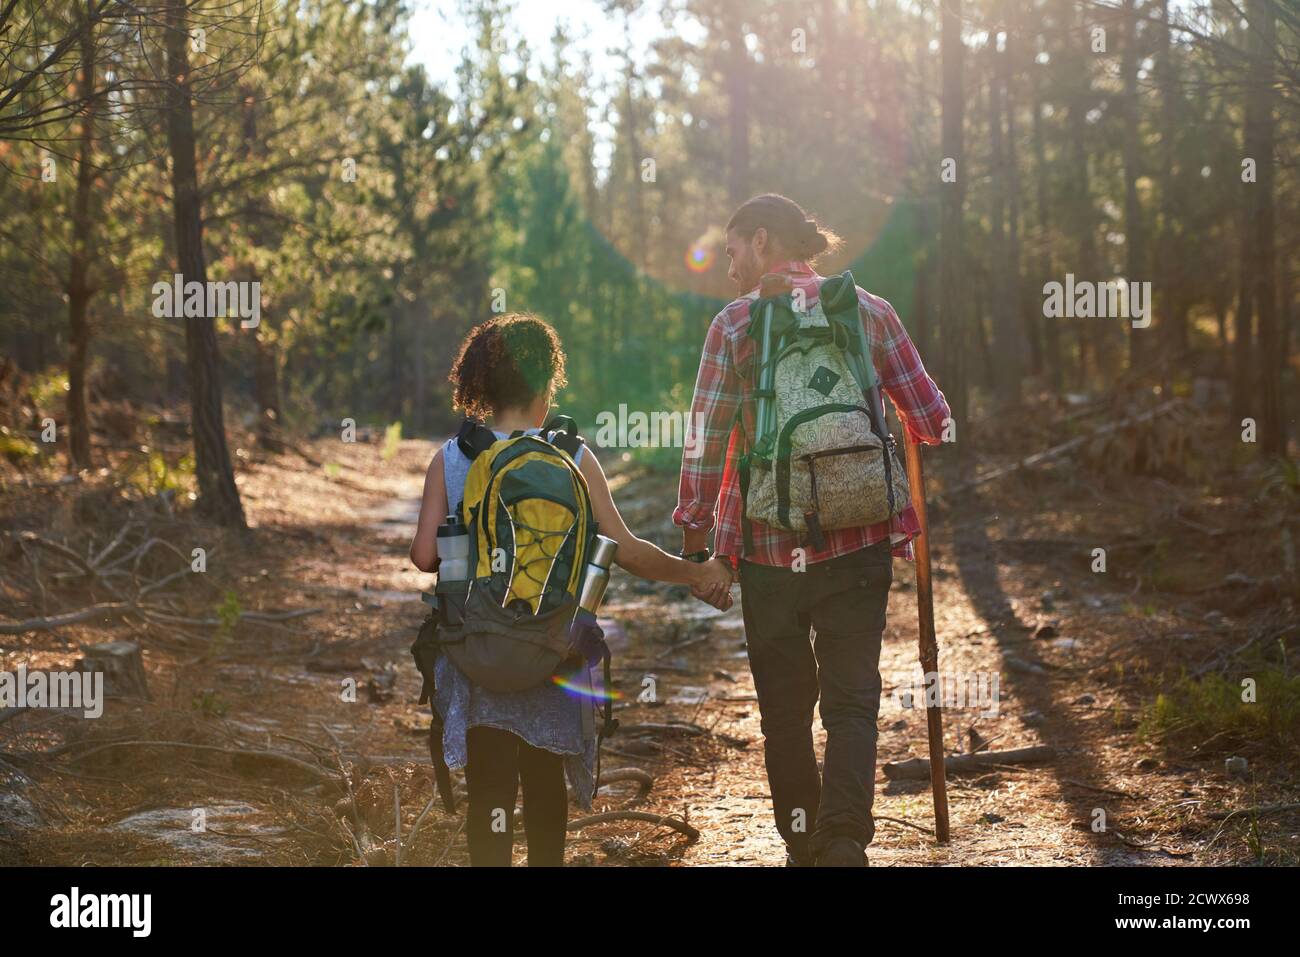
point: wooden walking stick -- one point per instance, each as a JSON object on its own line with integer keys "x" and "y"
{"x": 929, "y": 645}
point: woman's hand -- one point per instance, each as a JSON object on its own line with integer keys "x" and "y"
{"x": 713, "y": 583}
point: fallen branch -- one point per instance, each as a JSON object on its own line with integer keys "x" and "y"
{"x": 367, "y": 850}
{"x": 311, "y": 769}
{"x": 1065, "y": 448}
{"x": 167, "y": 619}
{"x": 897, "y": 820}
{"x": 115, "y": 609}
{"x": 644, "y": 779}
{"x": 683, "y": 727}
{"x": 111, "y": 609}
{"x": 415, "y": 831}
{"x": 140, "y": 551}
{"x": 1100, "y": 790}
{"x": 67, "y": 554}
{"x": 397, "y": 826}
{"x": 1220, "y": 659}
{"x": 919, "y": 768}
{"x": 57, "y": 483}
{"x": 452, "y": 843}
{"x": 185, "y": 570}
{"x": 1255, "y": 810}
{"x": 13, "y": 712}
{"x": 112, "y": 546}
{"x": 682, "y": 644}
{"x": 676, "y": 823}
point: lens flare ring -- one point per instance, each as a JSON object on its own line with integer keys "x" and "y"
{"x": 700, "y": 257}
{"x": 578, "y": 689}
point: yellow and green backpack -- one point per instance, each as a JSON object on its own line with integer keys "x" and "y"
{"x": 531, "y": 527}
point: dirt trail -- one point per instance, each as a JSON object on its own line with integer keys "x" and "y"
{"x": 1011, "y": 602}
{"x": 987, "y": 612}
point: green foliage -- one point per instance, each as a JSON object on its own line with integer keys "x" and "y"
{"x": 1281, "y": 483}
{"x": 1254, "y": 841}
{"x": 662, "y": 459}
{"x": 1209, "y": 712}
{"x": 228, "y": 615}
{"x": 152, "y": 474}
{"x": 209, "y": 703}
{"x": 17, "y": 447}
{"x": 629, "y": 338}
{"x": 526, "y": 174}
{"x": 392, "y": 441}
{"x": 48, "y": 389}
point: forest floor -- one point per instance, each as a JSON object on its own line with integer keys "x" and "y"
{"x": 249, "y": 753}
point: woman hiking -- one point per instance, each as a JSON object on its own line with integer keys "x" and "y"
{"x": 507, "y": 372}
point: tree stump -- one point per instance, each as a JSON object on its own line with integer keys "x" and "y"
{"x": 122, "y": 666}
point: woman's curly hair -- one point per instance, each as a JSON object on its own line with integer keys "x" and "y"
{"x": 507, "y": 362}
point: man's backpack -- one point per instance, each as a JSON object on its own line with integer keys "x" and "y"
{"x": 821, "y": 457}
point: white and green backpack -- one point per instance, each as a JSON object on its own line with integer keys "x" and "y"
{"x": 821, "y": 457}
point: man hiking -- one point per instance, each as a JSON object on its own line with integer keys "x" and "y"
{"x": 814, "y": 601}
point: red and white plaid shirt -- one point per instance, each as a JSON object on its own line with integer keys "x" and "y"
{"x": 710, "y": 481}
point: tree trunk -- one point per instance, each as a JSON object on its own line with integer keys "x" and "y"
{"x": 266, "y": 380}
{"x": 1134, "y": 234}
{"x": 1093, "y": 336}
{"x": 1221, "y": 326}
{"x": 423, "y": 401}
{"x": 1242, "y": 330}
{"x": 641, "y": 245}
{"x": 218, "y": 495}
{"x": 1173, "y": 309}
{"x": 922, "y": 326}
{"x": 1008, "y": 331}
{"x": 266, "y": 388}
{"x": 1286, "y": 316}
{"x": 953, "y": 318}
{"x": 737, "y": 109}
{"x": 1272, "y": 419}
{"x": 1026, "y": 318}
{"x": 1051, "y": 327}
{"x": 980, "y": 328}
{"x": 1006, "y": 336}
{"x": 79, "y": 290}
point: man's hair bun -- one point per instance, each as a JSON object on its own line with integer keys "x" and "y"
{"x": 813, "y": 241}
{"x": 801, "y": 236}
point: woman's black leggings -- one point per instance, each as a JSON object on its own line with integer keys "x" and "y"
{"x": 498, "y": 762}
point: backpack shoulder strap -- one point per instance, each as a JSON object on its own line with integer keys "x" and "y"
{"x": 848, "y": 318}
{"x": 474, "y": 438}
{"x": 562, "y": 432}
{"x": 839, "y": 299}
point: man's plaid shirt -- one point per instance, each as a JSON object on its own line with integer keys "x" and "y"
{"x": 710, "y": 482}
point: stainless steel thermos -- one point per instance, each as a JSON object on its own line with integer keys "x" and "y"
{"x": 453, "y": 569}
{"x": 596, "y": 577}
{"x": 453, "y": 549}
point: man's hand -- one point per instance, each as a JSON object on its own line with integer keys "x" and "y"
{"x": 714, "y": 585}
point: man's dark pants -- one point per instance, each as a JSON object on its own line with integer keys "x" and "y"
{"x": 843, "y": 601}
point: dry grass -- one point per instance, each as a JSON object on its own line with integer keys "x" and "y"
{"x": 1009, "y": 560}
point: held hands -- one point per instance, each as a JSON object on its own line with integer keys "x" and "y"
{"x": 713, "y": 583}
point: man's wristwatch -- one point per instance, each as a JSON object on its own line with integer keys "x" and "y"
{"x": 702, "y": 556}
